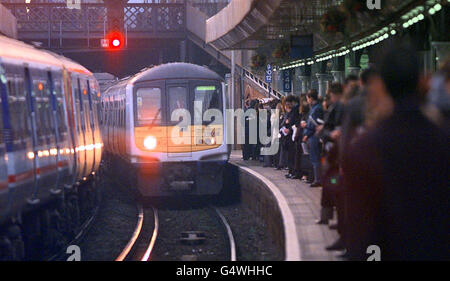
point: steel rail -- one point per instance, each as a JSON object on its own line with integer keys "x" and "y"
{"x": 229, "y": 234}
{"x": 134, "y": 237}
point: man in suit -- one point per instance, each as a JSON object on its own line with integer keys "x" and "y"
{"x": 396, "y": 176}
{"x": 291, "y": 120}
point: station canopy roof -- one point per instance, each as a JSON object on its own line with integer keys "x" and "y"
{"x": 274, "y": 20}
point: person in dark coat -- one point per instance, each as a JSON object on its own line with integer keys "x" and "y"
{"x": 292, "y": 119}
{"x": 248, "y": 148}
{"x": 309, "y": 134}
{"x": 284, "y": 140}
{"x": 303, "y": 116}
{"x": 397, "y": 176}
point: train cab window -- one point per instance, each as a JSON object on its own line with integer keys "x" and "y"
{"x": 177, "y": 98}
{"x": 148, "y": 104}
{"x": 209, "y": 96}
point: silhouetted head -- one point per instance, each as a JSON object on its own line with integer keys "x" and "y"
{"x": 400, "y": 73}
{"x": 351, "y": 78}
{"x": 368, "y": 74}
{"x": 313, "y": 95}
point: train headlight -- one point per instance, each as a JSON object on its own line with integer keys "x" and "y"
{"x": 150, "y": 142}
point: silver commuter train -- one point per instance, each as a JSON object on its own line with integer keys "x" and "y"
{"x": 143, "y": 135}
{"x": 50, "y": 137}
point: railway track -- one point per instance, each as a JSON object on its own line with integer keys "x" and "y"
{"x": 134, "y": 249}
{"x": 232, "y": 243}
{"x": 147, "y": 230}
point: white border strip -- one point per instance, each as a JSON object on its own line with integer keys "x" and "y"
{"x": 292, "y": 246}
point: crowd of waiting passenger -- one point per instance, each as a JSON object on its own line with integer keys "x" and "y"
{"x": 378, "y": 145}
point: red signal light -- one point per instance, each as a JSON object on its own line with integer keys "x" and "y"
{"x": 115, "y": 40}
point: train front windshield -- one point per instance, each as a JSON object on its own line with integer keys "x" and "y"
{"x": 155, "y": 105}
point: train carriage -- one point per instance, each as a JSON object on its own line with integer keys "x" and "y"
{"x": 150, "y": 129}
{"x": 49, "y": 130}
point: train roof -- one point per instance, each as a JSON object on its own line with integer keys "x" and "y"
{"x": 72, "y": 65}
{"x": 14, "y": 49}
{"x": 177, "y": 70}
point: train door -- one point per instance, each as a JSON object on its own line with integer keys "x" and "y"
{"x": 79, "y": 120}
{"x": 122, "y": 123}
{"x": 95, "y": 101}
{"x": 114, "y": 123}
{"x": 72, "y": 134}
{"x": 124, "y": 132}
{"x": 91, "y": 125}
{"x": 88, "y": 137}
{"x": 105, "y": 121}
{"x": 65, "y": 157}
{"x": 20, "y": 166}
{"x": 179, "y": 124}
{"x": 45, "y": 129}
{"x": 109, "y": 122}
{"x": 3, "y": 164}
{"x": 33, "y": 121}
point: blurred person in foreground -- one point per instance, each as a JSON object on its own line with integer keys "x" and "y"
{"x": 438, "y": 99}
{"x": 396, "y": 175}
{"x": 329, "y": 132}
{"x": 353, "y": 102}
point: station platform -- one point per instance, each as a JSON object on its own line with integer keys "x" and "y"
{"x": 303, "y": 203}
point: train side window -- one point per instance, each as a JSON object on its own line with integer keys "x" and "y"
{"x": 87, "y": 117}
{"x": 62, "y": 128}
{"x": 17, "y": 104}
{"x": 116, "y": 113}
{"x": 121, "y": 113}
{"x": 43, "y": 120}
{"x": 1, "y": 120}
{"x": 113, "y": 113}
{"x": 76, "y": 95}
{"x": 107, "y": 112}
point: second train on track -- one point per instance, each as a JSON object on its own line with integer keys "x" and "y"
{"x": 165, "y": 130}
